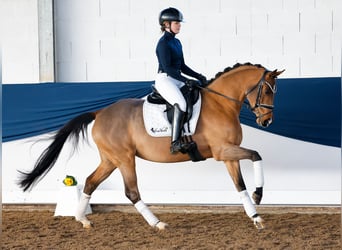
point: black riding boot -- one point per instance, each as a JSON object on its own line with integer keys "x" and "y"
{"x": 177, "y": 125}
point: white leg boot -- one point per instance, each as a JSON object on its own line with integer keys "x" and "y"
{"x": 151, "y": 219}
{"x": 81, "y": 210}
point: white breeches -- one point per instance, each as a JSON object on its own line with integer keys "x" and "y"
{"x": 169, "y": 88}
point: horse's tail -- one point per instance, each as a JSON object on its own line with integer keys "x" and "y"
{"x": 48, "y": 158}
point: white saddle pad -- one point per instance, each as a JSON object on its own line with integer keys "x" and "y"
{"x": 157, "y": 124}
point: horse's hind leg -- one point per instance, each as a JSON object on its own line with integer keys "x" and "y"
{"x": 132, "y": 193}
{"x": 100, "y": 174}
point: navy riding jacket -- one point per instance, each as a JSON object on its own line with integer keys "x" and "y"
{"x": 170, "y": 57}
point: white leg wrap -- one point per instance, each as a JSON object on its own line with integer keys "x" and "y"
{"x": 258, "y": 173}
{"x": 247, "y": 203}
{"x": 146, "y": 213}
{"x": 82, "y": 206}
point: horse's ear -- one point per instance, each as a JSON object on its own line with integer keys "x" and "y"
{"x": 275, "y": 73}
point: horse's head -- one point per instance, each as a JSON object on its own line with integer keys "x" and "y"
{"x": 261, "y": 97}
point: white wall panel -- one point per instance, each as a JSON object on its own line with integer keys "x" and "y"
{"x": 326, "y": 4}
{"x": 129, "y": 27}
{"x": 304, "y": 5}
{"x": 259, "y": 22}
{"x": 115, "y": 49}
{"x": 202, "y": 8}
{"x": 130, "y": 70}
{"x": 72, "y": 72}
{"x": 87, "y": 51}
{"x": 197, "y": 49}
{"x": 311, "y": 64}
{"x": 29, "y": 71}
{"x": 236, "y": 46}
{"x": 336, "y": 64}
{"x": 316, "y": 21}
{"x": 105, "y": 30}
{"x": 283, "y": 22}
{"x": 110, "y": 9}
{"x": 243, "y": 23}
{"x": 145, "y": 9}
{"x": 65, "y": 50}
{"x": 291, "y": 5}
{"x": 219, "y": 31}
{"x": 101, "y": 70}
{"x": 323, "y": 44}
{"x": 262, "y": 6}
{"x": 337, "y": 20}
{"x": 19, "y": 38}
{"x": 190, "y": 30}
{"x": 142, "y": 49}
{"x": 231, "y": 6}
{"x": 84, "y": 9}
{"x": 336, "y": 41}
{"x": 263, "y": 44}
{"x": 298, "y": 44}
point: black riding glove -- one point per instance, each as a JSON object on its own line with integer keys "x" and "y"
{"x": 203, "y": 80}
{"x": 192, "y": 83}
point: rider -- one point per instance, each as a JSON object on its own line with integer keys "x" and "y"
{"x": 169, "y": 79}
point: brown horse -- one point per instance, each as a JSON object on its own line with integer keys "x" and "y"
{"x": 120, "y": 135}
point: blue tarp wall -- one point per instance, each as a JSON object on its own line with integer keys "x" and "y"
{"x": 307, "y": 109}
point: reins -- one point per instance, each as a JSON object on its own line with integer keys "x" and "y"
{"x": 220, "y": 94}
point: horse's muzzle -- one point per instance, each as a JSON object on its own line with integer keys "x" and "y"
{"x": 265, "y": 123}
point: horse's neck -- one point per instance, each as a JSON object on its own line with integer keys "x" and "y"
{"x": 236, "y": 83}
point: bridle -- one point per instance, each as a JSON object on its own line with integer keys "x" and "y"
{"x": 257, "y": 87}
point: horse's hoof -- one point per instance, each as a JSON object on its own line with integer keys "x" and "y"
{"x": 258, "y": 222}
{"x": 86, "y": 223}
{"x": 161, "y": 225}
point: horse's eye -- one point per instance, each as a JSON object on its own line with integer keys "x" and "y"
{"x": 268, "y": 91}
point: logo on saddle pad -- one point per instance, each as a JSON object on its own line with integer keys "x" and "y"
{"x": 159, "y": 130}
{"x": 156, "y": 121}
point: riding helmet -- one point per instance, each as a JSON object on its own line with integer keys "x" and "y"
{"x": 170, "y": 14}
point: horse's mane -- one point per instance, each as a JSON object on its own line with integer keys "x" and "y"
{"x": 237, "y": 65}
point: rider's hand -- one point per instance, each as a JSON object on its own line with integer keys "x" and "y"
{"x": 192, "y": 83}
{"x": 203, "y": 80}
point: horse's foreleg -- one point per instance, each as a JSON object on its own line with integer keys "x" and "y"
{"x": 234, "y": 152}
{"x": 235, "y": 173}
{"x": 132, "y": 193}
{"x": 92, "y": 182}
{"x": 259, "y": 181}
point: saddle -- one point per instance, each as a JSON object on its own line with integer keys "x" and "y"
{"x": 191, "y": 96}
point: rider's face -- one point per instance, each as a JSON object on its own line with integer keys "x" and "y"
{"x": 175, "y": 27}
